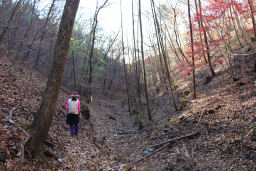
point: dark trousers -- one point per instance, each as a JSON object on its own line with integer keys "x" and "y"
{"x": 73, "y": 120}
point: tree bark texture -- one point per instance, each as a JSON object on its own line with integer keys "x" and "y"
{"x": 43, "y": 118}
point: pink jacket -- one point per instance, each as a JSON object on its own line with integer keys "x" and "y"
{"x": 77, "y": 106}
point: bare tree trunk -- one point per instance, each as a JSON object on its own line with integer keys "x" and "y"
{"x": 177, "y": 40}
{"x": 238, "y": 22}
{"x": 74, "y": 71}
{"x": 192, "y": 50}
{"x": 43, "y": 33}
{"x": 30, "y": 45}
{"x": 16, "y": 30}
{"x": 125, "y": 70}
{"x": 169, "y": 39}
{"x": 143, "y": 64}
{"x": 91, "y": 62}
{"x": 27, "y": 31}
{"x": 161, "y": 46}
{"x": 43, "y": 119}
{"x": 10, "y": 21}
{"x": 234, "y": 24}
{"x": 136, "y": 60}
{"x": 200, "y": 34}
{"x": 95, "y": 22}
{"x": 250, "y": 2}
{"x": 206, "y": 41}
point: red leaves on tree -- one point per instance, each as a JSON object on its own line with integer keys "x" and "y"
{"x": 251, "y": 30}
{"x": 213, "y": 14}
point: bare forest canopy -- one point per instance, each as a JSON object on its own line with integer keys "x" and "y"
{"x": 205, "y": 34}
{"x": 162, "y": 53}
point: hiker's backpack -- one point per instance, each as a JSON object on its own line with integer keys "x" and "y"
{"x": 73, "y": 107}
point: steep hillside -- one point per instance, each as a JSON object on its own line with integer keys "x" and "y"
{"x": 21, "y": 90}
{"x": 223, "y": 116}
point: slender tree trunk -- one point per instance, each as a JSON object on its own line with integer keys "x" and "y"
{"x": 234, "y": 24}
{"x": 91, "y": 61}
{"x": 13, "y": 38}
{"x": 171, "y": 43}
{"x": 74, "y": 70}
{"x": 43, "y": 119}
{"x": 192, "y": 50}
{"x": 161, "y": 46}
{"x": 143, "y": 64}
{"x": 90, "y": 79}
{"x": 200, "y": 32}
{"x": 30, "y": 45}
{"x": 250, "y": 2}
{"x": 5, "y": 30}
{"x": 158, "y": 44}
{"x": 136, "y": 59}
{"x": 239, "y": 25}
{"x": 254, "y": 24}
{"x": 125, "y": 70}
{"x": 206, "y": 41}
{"x": 177, "y": 40}
{"x": 27, "y": 31}
{"x": 43, "y": 33}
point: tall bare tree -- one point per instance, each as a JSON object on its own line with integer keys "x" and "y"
{"x": 43, "y": 119}
{"x": 44, "y": 30}
{"x": 27, "y": 31}
{"x": 250, "y": 2}
{"x": 143, "y": 64}
{"x": 136, "y": 58}
{"x": 125, "y": 70}
{"x": 206, "y": 39}
{"x": 162, "y": 52}
{"x": 192, "y": 51}
{"x": 93, "y": 34}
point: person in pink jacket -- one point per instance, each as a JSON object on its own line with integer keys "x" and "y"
{"x": 73, "y": 112}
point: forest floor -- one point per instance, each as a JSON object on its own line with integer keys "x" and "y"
{"x": 223, "y": 114}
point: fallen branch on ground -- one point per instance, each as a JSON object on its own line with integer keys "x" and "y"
{"x": 130, "y": 132}
{"x": 133, "y": 163}
{"x": 12, "y": 122}
{"x": 174, "y": 139}
{"x": 245, "y": 54}
{"x": 192, "y": 152}
{"x": 22, "y": 148}
{"x": 165, "y": 144}
{"x": 10, "y": 115}
{"x": 201, "y": 116}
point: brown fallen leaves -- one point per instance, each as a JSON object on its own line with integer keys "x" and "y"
{"x": 227, "y": 138}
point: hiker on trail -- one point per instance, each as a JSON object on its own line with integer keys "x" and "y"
{"x": 73, "y": 112}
